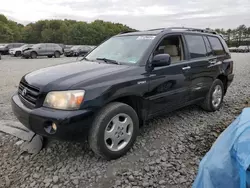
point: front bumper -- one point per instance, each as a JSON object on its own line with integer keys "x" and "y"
{"x": 68, "y": 53}
{"x": 26, "y": 54}
{"x": 71, "y": 125}
{"x": 12, "y": 53}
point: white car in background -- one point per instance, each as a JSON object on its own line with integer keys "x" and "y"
{"x": 19, "y": 51}
{"x": 243, "y": 49}
{"x": 233, "y": 49}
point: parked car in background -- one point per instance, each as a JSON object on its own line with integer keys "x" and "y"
{"x": 43, "y": 49}
{"x": 83, "y": 50}
{"x": 243, "y": 49}
{"x": 122, "y": 83}
{"x": 69, "y": 52}
{"x": 19, "y": 51}
{"x": 78, "y": 50}
{"x": 233, "y": 49}
{"x": 4, "y": 48}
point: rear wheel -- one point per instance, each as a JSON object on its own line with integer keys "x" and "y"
{"x": 50, "y": 56}
{"x": 114, "y": 130}
{"x": 57, "y": 54}
{"x": 214, "y": 97}
{"x": 33, "y": 55}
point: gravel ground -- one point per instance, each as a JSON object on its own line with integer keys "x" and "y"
{"x": 166, "y": 154}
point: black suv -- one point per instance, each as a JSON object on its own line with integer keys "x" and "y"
{"x": 124, "y": 81}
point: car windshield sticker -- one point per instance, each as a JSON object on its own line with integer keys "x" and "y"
{"x": 145, "y": 38}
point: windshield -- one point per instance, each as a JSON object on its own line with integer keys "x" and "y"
{"x": 127, "y": 49}
{"x": 26, "y": 46}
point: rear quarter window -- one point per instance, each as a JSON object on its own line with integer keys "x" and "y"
{"x": 216, "y": 45}
{"x": 196, "y": 46}
{"x": 208, "y": 46}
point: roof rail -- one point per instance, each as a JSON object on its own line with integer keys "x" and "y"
{"x": 186, "y": 29}
{"x": 126, "y": 32}
{"x": 192, "y": 29}
{"x": 156, "y": 29}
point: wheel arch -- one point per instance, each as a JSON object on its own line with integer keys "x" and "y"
{"x": 137, "y": 103}
{"x": 224, "y": 80}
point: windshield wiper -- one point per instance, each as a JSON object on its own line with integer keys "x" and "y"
{"x": 109, "y": 61}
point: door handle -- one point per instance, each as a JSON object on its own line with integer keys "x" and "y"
{"x": 186, "y": 68}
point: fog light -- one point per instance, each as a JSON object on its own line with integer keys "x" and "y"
{"x": 54, "y": 127}
{"x": 50, "y": 127}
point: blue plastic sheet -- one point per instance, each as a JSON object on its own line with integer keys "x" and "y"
{"x": 226, "y": 164}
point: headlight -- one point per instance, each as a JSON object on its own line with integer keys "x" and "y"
{"x": 64, "y": 100}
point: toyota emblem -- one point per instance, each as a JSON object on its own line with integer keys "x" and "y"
{"x": 24, "y": 92}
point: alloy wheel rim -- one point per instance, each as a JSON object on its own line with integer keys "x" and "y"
{"x": 118, "y": 132}
{"x": 217, "y": 96}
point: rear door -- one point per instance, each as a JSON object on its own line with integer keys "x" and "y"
{"x": 199, "y": 73}
{"x": 49, "y": 49}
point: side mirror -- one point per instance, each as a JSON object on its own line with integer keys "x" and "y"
{"x": 161, "y": 60}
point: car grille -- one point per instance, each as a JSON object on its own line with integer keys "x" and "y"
{"x": 28, "y": 93}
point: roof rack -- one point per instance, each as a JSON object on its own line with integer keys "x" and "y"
{"x": 192, "y": 29}
{"x": 185, "y": 29}
{"x": 156, "y": 29}
{"x": 123, "y": 32}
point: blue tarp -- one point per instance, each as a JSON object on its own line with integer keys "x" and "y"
{"x": 226, "y": 164}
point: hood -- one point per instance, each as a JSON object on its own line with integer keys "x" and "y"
{"x": 67, "y": 50}
{"x": 64, "y": 76}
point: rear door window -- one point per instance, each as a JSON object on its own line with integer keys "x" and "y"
{"x": 196, "y": 46}
{"x": 208, "y": 47}
{"x": 216, "y": 46}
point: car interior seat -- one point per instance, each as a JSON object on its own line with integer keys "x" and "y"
{"x": 173, "y": 52}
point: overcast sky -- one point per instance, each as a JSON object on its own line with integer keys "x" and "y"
{"x": 138, "y": 14}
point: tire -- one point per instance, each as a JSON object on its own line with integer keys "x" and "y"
{"x": 209, "y": 102}
{"x": 33, "y": 55}
{"x": 102, "y": 122}
{"x": 17, "y": 54}
{"x": 57, "y": 54}
{"x": 50, "y": 56}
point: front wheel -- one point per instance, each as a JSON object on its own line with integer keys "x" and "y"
{"x": 114, "y": 130}
{"x": 214, "y": 97}
{"x": 33, "y": 55}
{"x": 17, "y": 54}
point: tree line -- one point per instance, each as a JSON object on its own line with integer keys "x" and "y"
{"x": 59, "y": 31}
{"x": 236, "y": 37}
{"x": 79, "y": 32}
